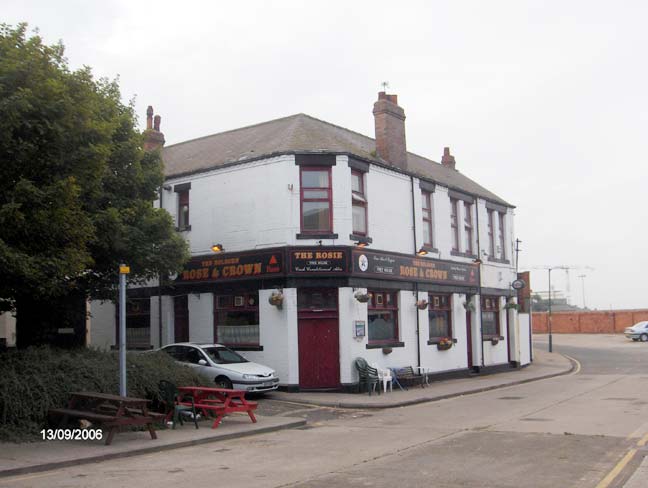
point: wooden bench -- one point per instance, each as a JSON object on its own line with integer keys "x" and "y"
{"x": 109, "y": 411}
{"x": 409, "y": 376}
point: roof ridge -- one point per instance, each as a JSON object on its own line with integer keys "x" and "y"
{"x": 235, "y": 130}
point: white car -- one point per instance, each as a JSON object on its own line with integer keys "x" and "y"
{"x": 224, "y": 367}
{"x": 638, "y": 332}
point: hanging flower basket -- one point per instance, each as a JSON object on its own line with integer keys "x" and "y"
{"x": 422, "y": 304}
{"x": 362, "y": 297}
{"x": 512, "y": 306}
{"x": 469, "y": 306}
{"x": 276, "y": 299}
{"x": 445, "y": 344}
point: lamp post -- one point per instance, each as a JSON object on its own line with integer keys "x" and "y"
{"x": 582, "y": 277}
{"x": 123, "y": 271}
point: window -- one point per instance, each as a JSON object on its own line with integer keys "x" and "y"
{"x": 236, "y": 319}
{"x": 454, "y": 210}
{"x": 468, "y": 227}
{"x": 138, "y": 323}
{"x": 317, "y": 300}
{"x": 490, "y": 316}
{"x": 501, "y": 236}
{"x": 316, "y": 207}
{"x": 427, "y": 218}
{"x": 440, "y": 313}
{"x": 359, "y": 203}
{"x": 383, "y": 317}
{"x": 183, "y": 210}
{"x": 491, "y": 234}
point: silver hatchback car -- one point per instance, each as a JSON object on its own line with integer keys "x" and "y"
{"x": 226, "y": 368}
{"x": 638, "y": 332}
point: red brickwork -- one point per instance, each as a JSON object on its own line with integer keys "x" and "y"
{"x": 600, "y": 322}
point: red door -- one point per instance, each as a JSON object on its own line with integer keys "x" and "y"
{"x": 319, "y": 353}
{"x": 319, "y": 348}
{"x": 469, "y": 339}
{"x": 181, "y": 319}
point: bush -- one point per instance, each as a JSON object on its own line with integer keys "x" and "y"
{"x": 36, "y": 379}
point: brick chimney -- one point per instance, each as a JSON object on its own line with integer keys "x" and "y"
{"x": 153, "y": 138}
{"x": 448, "y": 159}
{"x": 390, "y": 130}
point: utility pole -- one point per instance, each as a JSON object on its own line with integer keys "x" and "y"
{"x": 582, "y": 277}
{"x": 123, "y": 271}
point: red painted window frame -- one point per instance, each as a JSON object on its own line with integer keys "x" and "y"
{"x": 245, "y": 308}
{"x": 454, "y": 223}
{"x": 183, "y": 199}
{"x": 500, "y": 237}
{"x": 372, "y": 305}
{"x": 492, "y": 304}
{"x": 427, "y": 220}
{"x": 329, "y": 198}
{"x": 468, "y": 227}
{"x": 491, "y": 234}
{"x": 356, "y": 203}
{"x": 442, "y": 308}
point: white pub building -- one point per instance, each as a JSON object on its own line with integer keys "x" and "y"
{"x": 332, "y": 246}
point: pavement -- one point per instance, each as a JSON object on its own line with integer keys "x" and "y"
{"x": 545, "y": 365}
{"x": 47, "y": 455}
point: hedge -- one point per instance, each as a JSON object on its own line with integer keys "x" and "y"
{"x": 36, "y": 379}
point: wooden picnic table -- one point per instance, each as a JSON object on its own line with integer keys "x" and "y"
{"x": 220, "y": 401}
{"x": 110, "y": 411}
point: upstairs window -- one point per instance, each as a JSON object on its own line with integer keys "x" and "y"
{"x": 454, "y": 228}
{"x": 491, "y": 233}
{"x": 427, "y": 218}
{"x": 316, "y": 200}
{"x": 468, "y": 227}
{"x": 183, "y": 210}
{"x": 359, "y": 203}
{"x": 501, "y": 236}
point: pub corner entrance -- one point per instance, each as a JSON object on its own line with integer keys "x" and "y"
{"x": 318, "y": 341}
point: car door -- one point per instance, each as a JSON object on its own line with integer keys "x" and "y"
{"x": 192, "y": 357}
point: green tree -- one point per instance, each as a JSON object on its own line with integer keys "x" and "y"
{"x": 76, "y": 186}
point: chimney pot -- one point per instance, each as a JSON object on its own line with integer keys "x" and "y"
{"x": 149, "y": 117}
{"x": 156, "y": 123}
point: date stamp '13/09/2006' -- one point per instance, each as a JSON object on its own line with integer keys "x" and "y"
{"x": 71, "y": 434}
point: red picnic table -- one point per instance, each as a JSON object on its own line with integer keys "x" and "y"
{"x": 220, "y": 401}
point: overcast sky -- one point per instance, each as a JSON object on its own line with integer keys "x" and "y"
{"x": 542, "y": 102}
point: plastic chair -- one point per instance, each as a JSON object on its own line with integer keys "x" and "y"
{"x": 169, "y": 396}
{"x": 384, "y": 375}
{"x": 367, "y": 375}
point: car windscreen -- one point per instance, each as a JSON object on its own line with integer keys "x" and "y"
{"x": 222, "y": 355}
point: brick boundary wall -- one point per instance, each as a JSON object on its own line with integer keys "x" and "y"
{"x": 599, "y": 322}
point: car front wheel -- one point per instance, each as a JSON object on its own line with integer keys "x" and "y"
{"x": 644, "y": 337}
{"x": 223, "y": 382}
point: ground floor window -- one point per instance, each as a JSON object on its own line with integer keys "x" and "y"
{"x": 138, "y": 323}
{"x": 440, "y": 314}
{"x": 236, "y": 319}
{"x": 490, "y": 316}
{"x": 383, "y": 317}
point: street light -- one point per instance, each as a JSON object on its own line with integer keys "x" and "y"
{"x": 582, "y": 277}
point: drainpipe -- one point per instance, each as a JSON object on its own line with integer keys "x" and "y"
{"x": 418, "y": 325}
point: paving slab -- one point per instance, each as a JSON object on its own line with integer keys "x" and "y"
{"x": 45, "y": 455}
{"x": 545, "y": 365}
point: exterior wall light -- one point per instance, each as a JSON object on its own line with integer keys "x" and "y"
{"x": 217, "y": 247}
{"x": 361, "y": 244}
{"x": 421, "y": 252}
